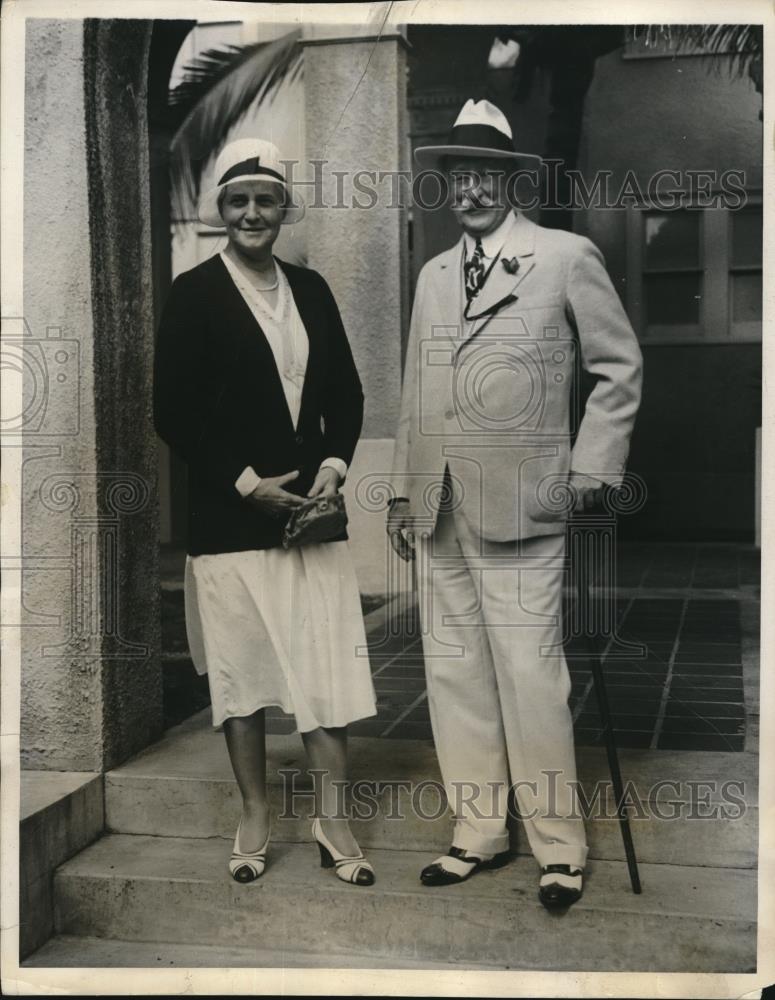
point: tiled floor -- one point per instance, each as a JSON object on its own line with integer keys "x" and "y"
{"x": 683, "y": 689}
{"x": 684, "y": 692}
{"x": 700, "y": 567}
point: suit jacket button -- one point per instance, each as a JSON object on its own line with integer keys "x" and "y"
{"x": 449, "y": 415}
{"x": 299, "y": 439}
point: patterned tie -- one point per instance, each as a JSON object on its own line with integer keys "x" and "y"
{"x": 474, "y": 271}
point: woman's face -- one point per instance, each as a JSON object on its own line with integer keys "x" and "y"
{"x": 252, "y": 212}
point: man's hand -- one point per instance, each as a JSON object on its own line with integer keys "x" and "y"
{"x": 399, "y": 520}
{"x": 326, "y": 483}
{"x": 588, "y": 491}
{"x": 270, "y": 497}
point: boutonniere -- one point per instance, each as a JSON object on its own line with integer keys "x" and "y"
{"x": 511, "y": 264}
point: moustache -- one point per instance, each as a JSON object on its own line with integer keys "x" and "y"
{"x": 476, "y": 202}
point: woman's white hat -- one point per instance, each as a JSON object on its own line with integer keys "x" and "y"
{"x": 248, "y": 160}
{"x": 480, "y": 129}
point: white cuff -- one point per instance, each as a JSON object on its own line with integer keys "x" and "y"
{"x": 598, "y": 479}
{"x": 247, "y": 481}
{"x": 337, "y": 465}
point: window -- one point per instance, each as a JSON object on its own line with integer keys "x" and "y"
{"x": 745, "y": 271}
{"x": 695, "y": 275}
{"x": 672, "y": 271}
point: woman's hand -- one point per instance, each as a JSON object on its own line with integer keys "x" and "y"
{"x": 326, "y": 483}
{"x": 399, "y": 525}
{"x": 270, "y": 497}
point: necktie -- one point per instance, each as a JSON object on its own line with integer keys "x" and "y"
{"x": 474, "y": 271}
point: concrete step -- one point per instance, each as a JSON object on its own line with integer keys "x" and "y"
{"x": 70, "y": 951}
{"x": 183, "y": 786}
{"x": 61, "y": 812}
{"x": 165, "y": 889}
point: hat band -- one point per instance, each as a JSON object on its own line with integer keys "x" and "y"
{"x": 485, "y": 136}
{"x": 246, "y": 168}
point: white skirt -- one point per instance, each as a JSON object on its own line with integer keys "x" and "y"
{"x": 277, "y": 627}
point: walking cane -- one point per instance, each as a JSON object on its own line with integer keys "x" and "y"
{"x": 584, "y": 596}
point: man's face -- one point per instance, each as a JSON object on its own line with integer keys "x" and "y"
{"x": 478, "y": 193}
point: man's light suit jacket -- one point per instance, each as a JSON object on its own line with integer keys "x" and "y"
{"x": 489, "y": 396}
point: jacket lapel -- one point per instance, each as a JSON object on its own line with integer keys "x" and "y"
{"x": 500, "y": 287}
{"x": 447, "y": 291}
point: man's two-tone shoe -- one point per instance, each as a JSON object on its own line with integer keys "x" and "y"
{"x": 458, "y": 864}
{"x": 560, "y": 886}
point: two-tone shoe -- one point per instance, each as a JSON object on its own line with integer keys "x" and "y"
{"x": 245, "y": 867}
{"x": 458, "y": 864}
{"x": 560, "y": 886}
{"x": 355, "y": 870}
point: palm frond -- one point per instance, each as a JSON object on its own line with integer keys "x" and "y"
{"x": 218, "y": 88}
{"x": 742, "y": 43}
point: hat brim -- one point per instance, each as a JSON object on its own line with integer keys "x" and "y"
{"x": 208, "y": 204}
{"x": 428, "y": 156}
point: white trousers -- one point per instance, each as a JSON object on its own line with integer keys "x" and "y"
{"x": 498, "y": 687}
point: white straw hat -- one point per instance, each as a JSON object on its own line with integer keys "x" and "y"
{"x": 480, "y": 129}
{"x": 248, "y": 160}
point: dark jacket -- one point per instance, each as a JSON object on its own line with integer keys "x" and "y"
{"x": 219, "y": 403}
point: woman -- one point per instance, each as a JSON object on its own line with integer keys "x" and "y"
{"x": 255, "y": 387}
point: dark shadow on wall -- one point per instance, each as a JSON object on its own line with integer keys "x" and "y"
{"x": 694, "y": 443}
{"x": 115, "y": 86}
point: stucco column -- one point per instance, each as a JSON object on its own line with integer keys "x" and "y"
{"x": 91, "y": 680}
{"x": 356, "y": 121}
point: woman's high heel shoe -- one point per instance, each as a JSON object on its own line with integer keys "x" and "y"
{"x": 247, "y": 867}
{"x": 356, "y": 870}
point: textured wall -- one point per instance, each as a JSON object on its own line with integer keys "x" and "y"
{"x": 116, "y": 77}
{"x": 90, "y": 677}
{"x": 355, "y": 119}
{"x": 61, "y": 695}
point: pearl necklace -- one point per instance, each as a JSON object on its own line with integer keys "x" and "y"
{"x": 248, "y": 276}
{"x": 266, "y": 288}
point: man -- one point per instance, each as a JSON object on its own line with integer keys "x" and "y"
{"x": 482, "y": 466}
